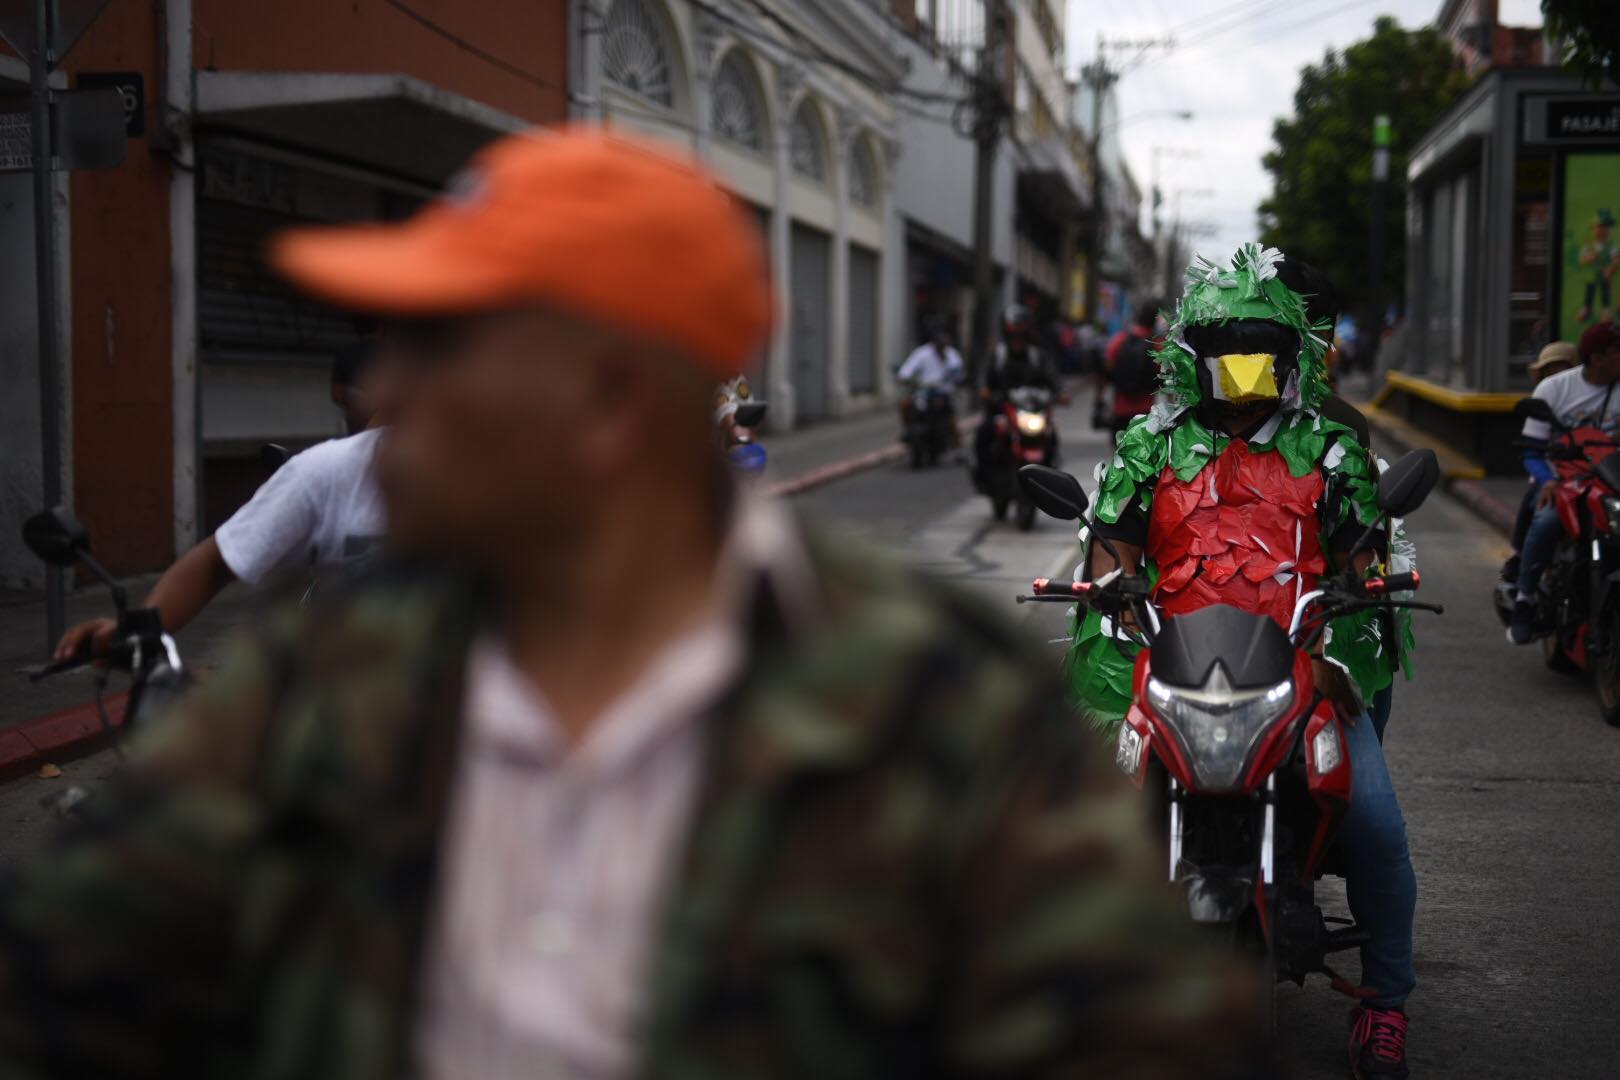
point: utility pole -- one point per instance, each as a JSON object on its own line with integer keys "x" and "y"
{"x": 1164, "y": 243}
{"x": 989, "y": 114}
{"x": 1375, "y": 246}
{"x": 1099, "y": 78}
{"x": 50, "y": 390}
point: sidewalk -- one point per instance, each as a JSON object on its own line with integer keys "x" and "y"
{"x": 57, "y": 714}
{"x": 1493, "y": 499}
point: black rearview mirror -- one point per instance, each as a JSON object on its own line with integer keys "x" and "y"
{"x": 56, "y": 537}
{"x": 1534, "y": 408}
{"x": 750, "y": 414}
{"x": 1405, "y": 484}
{"x": 1057, "y": 493}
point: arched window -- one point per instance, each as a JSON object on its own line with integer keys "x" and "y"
{"x": 809, "y": 143}
{"x": 738, "y": 116}
{"x": 637, "y": 53}
{"x": 863, "y": 174}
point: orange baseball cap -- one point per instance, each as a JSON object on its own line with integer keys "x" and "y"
{"x": 589, "y": 223}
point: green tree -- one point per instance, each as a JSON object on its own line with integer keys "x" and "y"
{"x": 1590, "y": 31}
{"x": 1321, "y": 160}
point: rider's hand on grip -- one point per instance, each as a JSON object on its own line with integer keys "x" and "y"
{"x": 1334, "y": 684}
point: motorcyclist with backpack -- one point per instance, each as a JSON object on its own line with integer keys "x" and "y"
{"x": 1130, "y": 370}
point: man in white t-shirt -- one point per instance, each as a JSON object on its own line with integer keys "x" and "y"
{"x": 321, "y": 508}
{"x": 936, "y": 367}
{"x": 1585, "y": 396}
{"x": 933, "y": 365}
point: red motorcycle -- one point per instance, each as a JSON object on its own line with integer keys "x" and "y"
{"x": 1579, "y": 596}
{"x": 1024, "y": 433}
{"x": 1246, "y": 759}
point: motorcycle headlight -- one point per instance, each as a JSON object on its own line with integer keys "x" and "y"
{"x": 1031, "y": 423}
{"x": 1611, "y": 507}
{"x": 1218, "y": 726}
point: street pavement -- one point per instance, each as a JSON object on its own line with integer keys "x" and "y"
{"x": 1510, "y": 782}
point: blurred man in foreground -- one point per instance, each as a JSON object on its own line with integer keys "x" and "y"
{"x": 625, "y": 775}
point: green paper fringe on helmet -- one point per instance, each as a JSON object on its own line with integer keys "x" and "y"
{"x": 1249, "y": 290}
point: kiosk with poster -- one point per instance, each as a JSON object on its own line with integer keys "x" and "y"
{"x": 1589, "y": 256}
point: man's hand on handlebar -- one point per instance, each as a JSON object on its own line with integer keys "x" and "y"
{"x": 89, "y": 639}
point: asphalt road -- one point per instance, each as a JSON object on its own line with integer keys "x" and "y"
{"x": 1510, "y": 782}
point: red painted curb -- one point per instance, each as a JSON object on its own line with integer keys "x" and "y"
{"x": 57, "y": 736}
{"x": 847, "y": 467}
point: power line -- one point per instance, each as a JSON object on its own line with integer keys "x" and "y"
{"x": 483, "y": 54}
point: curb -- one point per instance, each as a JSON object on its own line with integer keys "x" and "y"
{"x": 850, "y": 466}
{"x": 58, "y": 736}
{"x": 77, "y": 731}
{"x": 1471, "y": 493}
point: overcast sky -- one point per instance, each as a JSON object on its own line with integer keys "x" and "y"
{"x": 1235, "y": 65}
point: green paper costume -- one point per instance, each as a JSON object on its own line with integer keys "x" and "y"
{"x": 1172, "y": 436}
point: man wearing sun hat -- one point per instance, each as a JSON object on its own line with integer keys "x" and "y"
{"x": 616, "y": 771}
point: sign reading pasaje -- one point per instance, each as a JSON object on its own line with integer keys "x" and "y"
{"x": 1584, "y": 121}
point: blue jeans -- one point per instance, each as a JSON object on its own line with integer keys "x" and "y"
{"x": 1383, "y": 703}
{"x": 1379, "y": 882}
{"x": 1540, "y": 540}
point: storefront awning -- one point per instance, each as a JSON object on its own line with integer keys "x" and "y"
{"x": 1048, "y": 173}
{"x": 394, "y": 123}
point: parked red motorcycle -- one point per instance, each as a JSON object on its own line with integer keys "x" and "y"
{"x": 1245, "y": 758}
{"x": 1579, "y": 596}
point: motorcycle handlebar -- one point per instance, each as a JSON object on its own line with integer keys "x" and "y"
{"x": 1047, "y": 587}
{"x": 1391, "y": 583}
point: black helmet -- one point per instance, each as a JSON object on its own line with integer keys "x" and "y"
{"x": 1015, "y": 319}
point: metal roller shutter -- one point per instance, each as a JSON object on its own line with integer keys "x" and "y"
{"x": 863, "y": 308}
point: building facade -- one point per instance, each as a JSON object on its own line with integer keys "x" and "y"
{"x": 787, "y": 103}
{"x": 181, "y": 355}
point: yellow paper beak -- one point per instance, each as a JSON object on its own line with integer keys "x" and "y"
{"x": 1247, "y": 377}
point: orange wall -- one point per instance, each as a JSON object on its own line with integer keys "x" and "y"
{"x": 122, "y": 423}
{"x": 374, "y": 36}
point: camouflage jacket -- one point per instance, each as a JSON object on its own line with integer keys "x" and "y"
{"x": 903, "y": 863}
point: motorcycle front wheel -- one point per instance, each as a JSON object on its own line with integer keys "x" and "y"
{"x": 1026, "y": 515}
{"x": 1606, "y": 669}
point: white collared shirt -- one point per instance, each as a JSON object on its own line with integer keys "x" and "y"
{"x": 557, "y": 859}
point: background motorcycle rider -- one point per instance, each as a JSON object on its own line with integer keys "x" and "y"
{"x": 1555, "y": 356}
{"x": 1016, "y": 361}
{"x": 935, "y": 365}
{"x": 1238, "y": 346}
{"x": 1581, "y": 396}
{"x": 320, "y": 508}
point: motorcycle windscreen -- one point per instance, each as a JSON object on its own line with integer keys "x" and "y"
{"x": 1221, "y": 678}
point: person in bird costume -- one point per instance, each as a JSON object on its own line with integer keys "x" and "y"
{"x": 1236, "y": 489}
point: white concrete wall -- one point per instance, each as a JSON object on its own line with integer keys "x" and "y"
{"x": 849, "y": 109}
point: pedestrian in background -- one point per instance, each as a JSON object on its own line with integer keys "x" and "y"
{"x": 1131, "y": 370}
{"x": 617, "y": 771}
